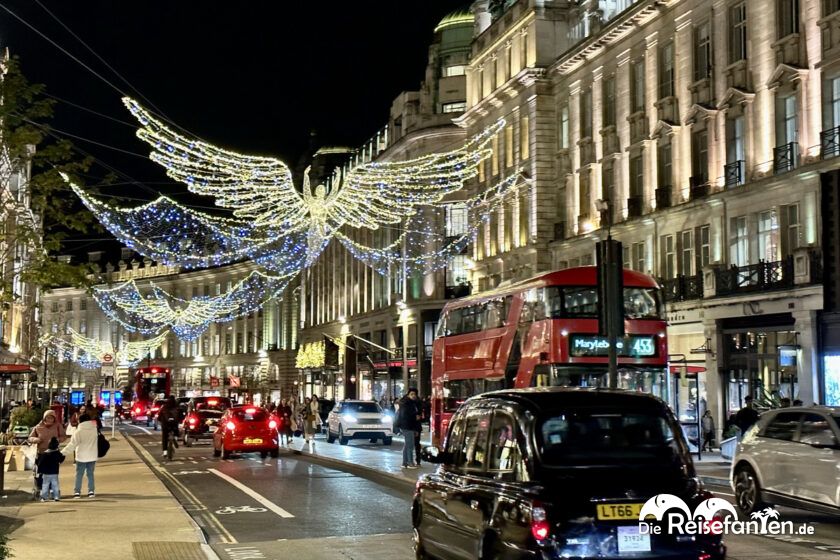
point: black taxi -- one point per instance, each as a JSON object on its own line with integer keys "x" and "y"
{"x": 557, "y": 473}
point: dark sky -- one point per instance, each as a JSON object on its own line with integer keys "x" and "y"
{"x": 253, "y": 76}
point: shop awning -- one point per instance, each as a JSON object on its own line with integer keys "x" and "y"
{"x": 689, "y": 369}
{"x": 16, "y": 368}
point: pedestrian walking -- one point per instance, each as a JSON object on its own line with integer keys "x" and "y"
{"x": 285, "y": 413}
{"x": 85, "y": 444}
{"x": 309, "y": 419}
{"x": 49, "y": 427}
{"x": 708, "y": 425}
{"x": 747, "y": 416}
{"x": 47, "y": 464}
{"x": 408, "y": 422}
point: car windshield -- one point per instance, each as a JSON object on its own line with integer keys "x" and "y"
{"x": 250, "y": 414}
{"x": 361, "y": 407}
{"x": 599, "y": 436}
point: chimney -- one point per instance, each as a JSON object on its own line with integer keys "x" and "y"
{"x": 95, "y": 256}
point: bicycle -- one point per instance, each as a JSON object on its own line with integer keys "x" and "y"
{"x": 171, "y": 440}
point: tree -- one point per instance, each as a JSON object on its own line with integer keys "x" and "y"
{"x": 38, "y": 208}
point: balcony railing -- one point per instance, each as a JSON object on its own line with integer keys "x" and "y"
{"x": 765, "y": 275}
{"x": 663, "y": 196}
{"x": 559, "y": 231}
{"x": 830, "y": 142}
{"x": 698, "y": 187}
{"x": 395, "y": 355}
{"x": 457, "y": 291}
{"x": 784, "y": 157}
{"x": 683, "y": 288}
{"x": 733, "y": 173}
{"x": 635, "y": 206}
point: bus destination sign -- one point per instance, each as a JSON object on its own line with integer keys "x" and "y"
{"x": 633, "y": 346}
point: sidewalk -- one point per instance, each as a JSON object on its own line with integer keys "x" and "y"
{"x": 711, "y": 468}
{"x": 132, "y": 516}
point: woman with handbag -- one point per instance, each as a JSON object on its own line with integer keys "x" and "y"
{"x": 85, "y": 442}
{"x": 49, "y": 427}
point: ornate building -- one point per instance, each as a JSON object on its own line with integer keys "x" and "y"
{"x": 696, "y": 132}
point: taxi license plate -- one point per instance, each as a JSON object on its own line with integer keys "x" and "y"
{"x": 212, "y": 428}
{"x": 252, "y": 441}
{"x": 619, "y": 512}
{"x": 630, "y": 539}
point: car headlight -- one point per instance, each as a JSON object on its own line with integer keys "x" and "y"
{"x": 348, "y": 418}
{"x": 387, "y": 418}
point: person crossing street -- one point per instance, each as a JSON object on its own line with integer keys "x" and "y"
{"x": 408, "y": 422}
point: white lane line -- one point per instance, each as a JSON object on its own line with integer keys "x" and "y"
{"x": 258, "y": 497}
{"x": 139, "y": 428}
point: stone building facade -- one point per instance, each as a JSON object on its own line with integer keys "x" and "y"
{"x": 698, "y": 133}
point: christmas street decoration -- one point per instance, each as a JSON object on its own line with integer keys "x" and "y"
{"x": 87, "y": 352}
{"x": 311, "y": 355}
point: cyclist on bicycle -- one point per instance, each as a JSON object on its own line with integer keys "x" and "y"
{"x": 169, "y": 417}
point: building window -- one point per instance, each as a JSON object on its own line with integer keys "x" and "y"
{"x": 455, "y": 107}
{"x": 586, "y": 114}
{"x": 639, "y": 257}
{"x": 735, "y": 139}
{"x": 637, "y": 176}
{"x": 54, "y": 307}
{"x": 738, "y": 32}
{"x": 228, "y": 343}
{"x": 584, "y": 193}
{"x": 454, "y": 70}
{"x": 702, "y": 52}
{"x": 609, "y": 101}
{"x": 699, "y": 156}
{"x": 739, "y": 242}
{"x": 687, "y": 252}
{"x": 608, "y": 178}
{"x": 664, "y": 163}
{"x": 830, "y": 6}
{"x": 705, "y": 246}
{"x": 456, "y": 219}
{"x": 509, "y": 146}
{"x": 626, "y": 260}
{"x": 524, "y": 138}
{"x": 456, "y": 271}
{"x": 68, "y": 306}
{"x": 83, "y": 326}
{"x": 83, "y": 305}
{"x": 564, "y": 127}
{"x": 833, "y": 97}
{"x": 240, "y": 347}
{"x": 786, "y": 120}
{"x": 523, "y": 50}
{"x": 669, "y": 261}
{"x": 788, "y": 13}
{"x": 768, "y": 236}
{"x": 638, "y": 92}
{"x": 666, "y": 71}
{"x": 792, "y": 237}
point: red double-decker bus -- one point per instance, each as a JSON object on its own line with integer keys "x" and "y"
{"x": 543, "y": 332}
{"x": 150, "y": 383}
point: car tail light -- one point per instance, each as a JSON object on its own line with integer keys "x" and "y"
{"x": 250, "y": 410}
{"x": 704, "y": 556}
{"x": 539, "y": 522}
{"x": 137, "y": 410}
{"x": 212, "y": 402}
{"x": 193, "y": 420}
{"x": 272, "y": 424}
{"x": 230, "y": 426}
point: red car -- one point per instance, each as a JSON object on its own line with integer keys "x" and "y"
{"x": 246, "y": 429}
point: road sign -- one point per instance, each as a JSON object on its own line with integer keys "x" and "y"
{"x": 107, "y": 358}
{"x": 214, "y": 381}
{"x": 233, "y": 381}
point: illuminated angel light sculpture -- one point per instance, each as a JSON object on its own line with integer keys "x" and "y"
{"x": 277, "y": 227}
{"x": 87, "y": 352}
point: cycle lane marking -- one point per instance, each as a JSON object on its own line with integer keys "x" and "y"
{"x": 253, "y": 494}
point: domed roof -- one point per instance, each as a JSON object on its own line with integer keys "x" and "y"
{"x": 456, "y": 18}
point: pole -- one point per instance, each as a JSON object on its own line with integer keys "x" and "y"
{"x": 46, "y": 387}
{"x": 610, "y": 303}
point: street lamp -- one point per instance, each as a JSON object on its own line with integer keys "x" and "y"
{"x": 603, "y": 208}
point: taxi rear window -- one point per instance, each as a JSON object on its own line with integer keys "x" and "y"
{"x": 258, "y": 415}
{"x": 574, "y": 437}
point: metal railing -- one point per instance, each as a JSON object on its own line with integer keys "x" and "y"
{"x": 830, "y": 142}
{"x": 635, "y": 206}
{"x": 765, "y": 275}
{"x": 663, "y": 196}
{"x": 733, "y": 173}
{"x": 458, "y": 291}
{"x": 682, "y": 288}
{"x": 785, "y": 157}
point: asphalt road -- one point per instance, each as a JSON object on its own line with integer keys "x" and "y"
{"x": 253, "y": 509}
{"x": 250, "y": 507}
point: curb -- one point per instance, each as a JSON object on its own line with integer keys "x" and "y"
{"x": 351, "y": 467}
{"x": 714, "y": 480}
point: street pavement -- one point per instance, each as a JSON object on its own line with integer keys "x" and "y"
{"x": 314, "y": 501}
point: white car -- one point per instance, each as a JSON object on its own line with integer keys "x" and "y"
{"x": 359, "y": 420}
{"x": 790, "y": 457}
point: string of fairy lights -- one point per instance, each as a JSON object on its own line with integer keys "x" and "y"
{"x": 88, "y": 352}
{"x": 277, "y": 227}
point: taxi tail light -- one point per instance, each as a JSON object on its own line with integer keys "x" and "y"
{"x": 192, "y": 420}
{"x": 250, "y": 410}
{"x": 539, "y": 522}
{"x": 137, "y": 410}
{"x": 230, "y": 426}
{"x": 704, "y": 556}
{"x": 272, "y": 424}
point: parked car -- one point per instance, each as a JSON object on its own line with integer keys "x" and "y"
{"x": 351, "y": 419}
{"x": 790, "y": 457}
{"x": 246, "y": 429}
{"x": 556, "y": 473}
{"x": 202, "y": 418}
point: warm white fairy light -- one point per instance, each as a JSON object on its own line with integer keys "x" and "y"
{"x": 88, "y": 352}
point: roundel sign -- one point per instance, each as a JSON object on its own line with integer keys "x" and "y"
{"x": 107, "y": 358}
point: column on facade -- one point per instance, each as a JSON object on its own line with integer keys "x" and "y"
{"x": 597, "y": 142}
{"x": 807, "y": 359}
{"x": 544, "y": 188}
{"x": 622, "y": 107}
{"x": 651, "y": 116}
{"x": 714, "y": 383}
{"x": 681, "y": 139}
{"x": 810, "y": 13}
{"x": 574, "y": 154}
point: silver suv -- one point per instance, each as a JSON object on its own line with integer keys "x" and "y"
{"x": 359, "y": 420}
{"x": 790, "y": 457}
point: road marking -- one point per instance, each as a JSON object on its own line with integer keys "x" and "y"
{"x": 227, "y": 510}
{"x": 258, "y": 497}
{"x": 179, "y": 473}
{"x": 139, "y": 428}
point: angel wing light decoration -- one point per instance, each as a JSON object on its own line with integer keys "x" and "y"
{"x": 279, "y": 228}
{"x": 87, "y": 351}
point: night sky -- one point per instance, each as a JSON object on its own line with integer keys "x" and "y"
{"x": 256, "y": 76}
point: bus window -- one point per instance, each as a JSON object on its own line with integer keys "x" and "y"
{"x": 641, "y": 303}
{"x": 441, "y": 326}
{"x": 534, "y": 307}
{"x": 456, "y": 391}
{"x": 581, "y": 302}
